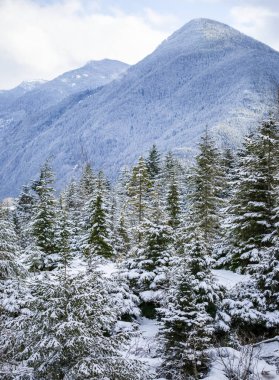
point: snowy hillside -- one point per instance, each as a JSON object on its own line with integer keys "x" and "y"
{"x": 204, "y": 74}
{"x": 32, "y": 96}
{"x": 8, "y": 97}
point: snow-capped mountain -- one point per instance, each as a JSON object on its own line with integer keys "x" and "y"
{"x": 33, "y": 96}
{"x": 8, "y": 97}
{"x": 205, "y": 74}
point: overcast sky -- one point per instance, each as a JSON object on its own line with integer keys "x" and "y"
{"x": 40, "y": 39}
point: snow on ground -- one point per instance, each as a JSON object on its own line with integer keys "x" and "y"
{"x": 108, "y": 268}
{"x": 249, "y": 359}
{"x": 269, "y": 351}
{"x": 145, "y": 345}
{"x": 228, "y": 278}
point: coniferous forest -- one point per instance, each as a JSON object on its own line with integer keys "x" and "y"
{"x": 82, "y": 270}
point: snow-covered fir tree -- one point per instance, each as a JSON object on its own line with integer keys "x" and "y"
{"x": 69, "y": 331}
{"x": 73, "y": 203}
{"x": 139, "y": 188}
{"x": 99, "y": 235}
{"x": 253, "y": 216}
{"x": 44, "y": 220}
{"x": 207, "y": 187}
{"x": 9, "y": 246}
{"x": 153, "y": 162}
{"x": 189, "y": 317}
{"x": 24, "y": 212}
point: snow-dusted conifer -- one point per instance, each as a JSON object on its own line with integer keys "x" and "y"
{"x": 207, "y": 187}
{"x": 153, "y": 162}
{"x": 189, "y": 315}
{"x": 44, "y": 220}
{"x": 68, "y": 332}
{"x": 254, "y": 202}
{"x": 23, "y": 215}
{"x": 139, "y": 188}
{"x": 99, "y": 235}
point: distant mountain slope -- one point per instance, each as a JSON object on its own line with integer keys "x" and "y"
{"x": 206, "y": 73}
{"x": 33, "y": 96}
{"x": 8, "y": 97}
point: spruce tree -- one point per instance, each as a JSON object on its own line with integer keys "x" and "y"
{"x": 253, "y": 216}
{"x": 64, "y": 232}
{"x": 173, "y": 205}
{"x": 12, "y": 291}
{"x": 24, "y": 212}
{"x": 87, "y": 183}
{"x": 73, "y": 206}
{"x": 153, "y": 162}
{"x": 207, "y": 188}
{"x": 44, "y": 221}
{"x": 99, "y": 235}
{"x": 139, "y": 188}
{"x": 149, "y": 259}
{"x": 69, "y": 332}
{"x": 9, "y": 247}
{"x": 189, "y": 317}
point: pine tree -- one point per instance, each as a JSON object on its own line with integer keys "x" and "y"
{"x": 99, "y": 237}
{"x": 253, "y": 205}
{"x": 69, "y": 332}
{"x": 122, "y": 240}
{"x": 139, "y": 189}
{"x": 149, "y": 259}
{"x": 207, "y": 187}
{"x": 23, "y": 215}
{"x": 173, "y": 205}
{"x": 45, "y": 217}
{"x": 87, "y": 182}
{"x": 63, "y": 237}
{"x": 11, "y": 287}
{"x": 153, "y": 162}
{"x": 189, "y": 316}
{"x": 73, "y": 205}
{"x": 9, "y": 247}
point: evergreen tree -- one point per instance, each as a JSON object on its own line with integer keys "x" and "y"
{"x": 153, "y": 162}
{"x": 173, "y": 205}
{"x": 253, "y": 216}
{"x": 63, "y": 235}
{"x": 68, "y": 332}
{"x": 73, "y": 205}
{"x": 149, "y": 259}
{"x": 11, "y": 289}
{"x": 87, "y": 182}
{"x": 44, "y": 221}
{"x": 9, "y": 247}
{"x": 122, "y": 240}
{"x": 99, "y": 240}
{"x": 207, "y": 188}
{"x": 23, "y": 215}
{"x": 190, "y": 314}
{"x": 139, "y": 189}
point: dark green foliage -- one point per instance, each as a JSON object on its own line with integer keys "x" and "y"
{"x": 99, "y": 242}
{"x": 153, "y": 162}
{"x": 139, "y": 188}
{"x": 207, "y": 188}
{"x": 173, "y": 205}
{"x": 189, "y": 314}
{"x": 255, "y": 197}
{"x": 44, "y": 221}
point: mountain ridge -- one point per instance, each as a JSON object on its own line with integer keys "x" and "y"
{"x": 191, "y": 80}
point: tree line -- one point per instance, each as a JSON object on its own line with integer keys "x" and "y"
{"x": 162, "y": 227}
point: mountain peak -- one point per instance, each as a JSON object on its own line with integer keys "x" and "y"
{"x": 203, "y": 33}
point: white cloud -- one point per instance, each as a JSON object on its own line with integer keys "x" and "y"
{"x": 42, "y": 41}
{"x": 259, "y": 22}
